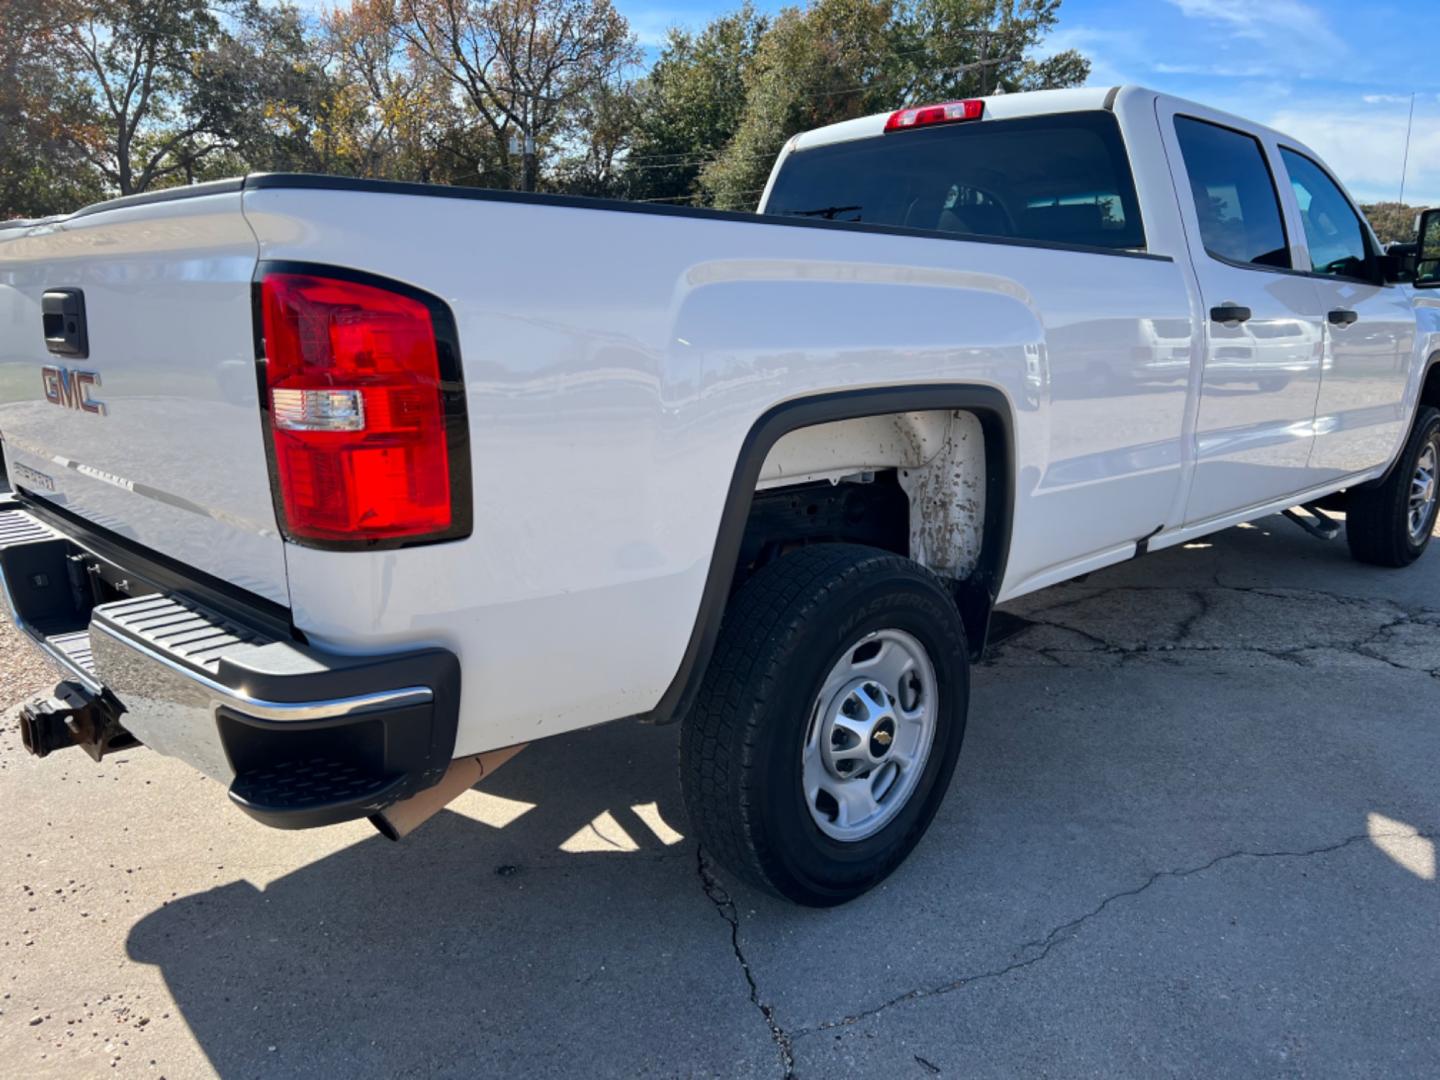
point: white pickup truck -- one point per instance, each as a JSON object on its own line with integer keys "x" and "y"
{"x": 329, "y": 487}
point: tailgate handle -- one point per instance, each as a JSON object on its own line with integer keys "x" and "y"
{"x": 63, "y": 312}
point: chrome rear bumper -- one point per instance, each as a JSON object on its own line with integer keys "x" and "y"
{"x": 301, "y": 737}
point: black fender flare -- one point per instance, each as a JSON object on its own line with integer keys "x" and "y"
{"x": 976, "y": 596}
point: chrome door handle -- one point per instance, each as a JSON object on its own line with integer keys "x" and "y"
{"x": 1342, "y": 317}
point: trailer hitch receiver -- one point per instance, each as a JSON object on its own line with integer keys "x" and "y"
{"x": 73, "y": 716}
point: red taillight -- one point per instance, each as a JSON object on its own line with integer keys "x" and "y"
{"x": 948, "y": 112}
{"x": 356, "y": 410}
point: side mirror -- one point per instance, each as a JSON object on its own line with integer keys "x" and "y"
{"x": 1427, "y": 250}
{"x": 1392, "y": 267}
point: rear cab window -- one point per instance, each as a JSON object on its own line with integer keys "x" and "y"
{"x": 1061, "y": 179}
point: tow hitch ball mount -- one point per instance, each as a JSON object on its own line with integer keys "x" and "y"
{"x": 73, "y": 716}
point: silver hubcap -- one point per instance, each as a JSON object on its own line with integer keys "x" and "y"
{"x": 869, "y": 736}
{"x": 1422, "y": 493}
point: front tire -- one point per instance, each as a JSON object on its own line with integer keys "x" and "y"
{"x": 828, "y": 723}
{"x": 1391, "y": 525}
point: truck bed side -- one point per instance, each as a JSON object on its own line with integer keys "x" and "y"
{"x": 615, "y": 365}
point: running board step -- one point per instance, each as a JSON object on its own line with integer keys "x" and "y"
{"x": 1319, "y": 524}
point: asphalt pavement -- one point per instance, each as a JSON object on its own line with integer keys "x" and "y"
{"x": 1192, "y": 833}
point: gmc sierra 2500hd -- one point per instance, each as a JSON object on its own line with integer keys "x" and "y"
{"x": 329, "y": 487}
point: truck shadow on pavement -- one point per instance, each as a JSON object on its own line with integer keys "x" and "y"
{"x": 542, "y": 919}
{"x": 557, "y": 920}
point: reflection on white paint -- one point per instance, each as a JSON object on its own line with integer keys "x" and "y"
{"x": 649, "y": 813}
{"x": 602, "y": 834}
{"x": 1403, "y": 844}
{"x": 490, "y": 809}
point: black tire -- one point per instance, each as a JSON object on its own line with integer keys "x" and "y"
{"x": 1377, "y": 520}
{"x": 741, "y": 743}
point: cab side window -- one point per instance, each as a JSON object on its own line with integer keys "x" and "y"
{"x": 1333, "y": 231}
{"x": 1235, "y": 197}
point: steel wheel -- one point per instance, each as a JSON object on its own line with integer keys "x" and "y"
{"x": 870, "y": 732}
{"x": 1422, "y": 492}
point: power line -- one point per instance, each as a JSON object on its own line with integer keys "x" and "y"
{"x": 686, "y": 198}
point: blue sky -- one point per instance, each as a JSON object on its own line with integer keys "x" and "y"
{"x": 1336, "y": 75}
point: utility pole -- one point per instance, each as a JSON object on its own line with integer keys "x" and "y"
{"x": 1405, "y": 162}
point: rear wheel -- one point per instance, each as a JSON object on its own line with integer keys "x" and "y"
{"x": 828, "y": 723}
{"x": 1391, "y": 524}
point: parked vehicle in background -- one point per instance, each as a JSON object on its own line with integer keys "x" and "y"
{"x": 329, "y": 486}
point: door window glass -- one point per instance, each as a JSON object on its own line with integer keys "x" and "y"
{"x": 1332, "y": 228}
{"x": 1234, "y": 194}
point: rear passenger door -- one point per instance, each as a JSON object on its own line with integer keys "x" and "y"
{"x": 1264, "y": 337}
{"x": 1369, "y": 327}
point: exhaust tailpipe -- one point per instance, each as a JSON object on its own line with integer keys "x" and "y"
{"x": 404, "y": 817}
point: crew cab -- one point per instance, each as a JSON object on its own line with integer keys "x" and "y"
{"x": 340, "y": 489}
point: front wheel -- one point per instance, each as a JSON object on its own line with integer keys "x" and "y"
{"x": 828, "y": 723}
{"x": 1391, "y": 525}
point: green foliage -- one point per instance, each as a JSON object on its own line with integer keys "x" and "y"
{"x": 690, "y": 105}
{"x": 44, "y": 167}
{"x": 156, "y": 77}
{"x": 839, "y": 59}
{"x": 102, "y": 97}
{"x": 1393, "y": 222}
{"x": 605, "y": 120}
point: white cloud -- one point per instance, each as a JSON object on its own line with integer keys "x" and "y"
{"x": 1115, "y": 55}
{"x": 1385, "y": 99}
{"x": 1367, "y": 149}
{"x": 1289, "y": 25}
{"x": 1251, "y": 71}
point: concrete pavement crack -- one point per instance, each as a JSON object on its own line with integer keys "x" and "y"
{"x": 1188, "y": 624}
{"x": 1043, "y": 946}
{"x": 1178, "y": 641}
{"x": 725, "y": 908}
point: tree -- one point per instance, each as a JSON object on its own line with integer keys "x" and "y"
{"x": 973, "y": 48}
{"x": 839, "y": 59}
{"x": 690, "y": 105}
{"x": 283, "y": 93}
{"x": 44, "y": 112}
{"x": 393, "y": 113}
{"x": 522, "y": 65}
{"x": 603, "y": 126}
{"x": 1393, "y": 222}
{"x": 162, "y": 101}
{"x": 105, "y": 97}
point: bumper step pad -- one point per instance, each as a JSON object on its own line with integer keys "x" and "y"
{"x": 310, "y": 785}
{"x": 185, "y": 632}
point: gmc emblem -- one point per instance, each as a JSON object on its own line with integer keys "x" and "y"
{"x": 71, "y": 389}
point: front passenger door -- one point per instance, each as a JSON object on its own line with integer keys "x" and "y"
{"x": 1360, "y": 420}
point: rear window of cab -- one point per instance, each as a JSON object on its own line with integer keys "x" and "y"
{"x": 1061, "y": 179}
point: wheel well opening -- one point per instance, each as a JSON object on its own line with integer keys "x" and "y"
{"x": 868, "y": 508}
{"x": 1430, "y": 392}
{"x": 926, "y": 485}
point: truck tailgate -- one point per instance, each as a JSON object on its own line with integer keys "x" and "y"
{"x": 154, "y": 433}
